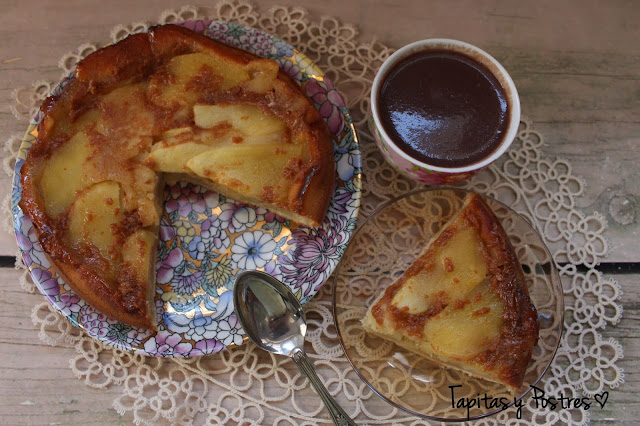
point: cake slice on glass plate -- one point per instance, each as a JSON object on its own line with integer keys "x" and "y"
{"x": 463, "y": 303}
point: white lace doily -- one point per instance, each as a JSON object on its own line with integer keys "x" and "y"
{"x": 246, "y": 385}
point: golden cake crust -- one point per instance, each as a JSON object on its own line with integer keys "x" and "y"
{"x": 129, "y": 65}
{"x": 506, "y": 357}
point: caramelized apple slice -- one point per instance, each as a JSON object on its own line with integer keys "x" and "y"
{"x": 93, "y": 216}
{"x": 467, "y": 326}
{"x": 63, "y": 175}
{"x": 174, "y": 158}
{"x": 219, "y": 135}
{"x": 225, "y": 125}
{"x": 456, "y": 270}
{"x": 187, "y": 78}
{"x": 263, "y": 73}
{"x": 243, "y": 167}
{"x": 124, "y": 113}
{"x": 142, "y": 196}
{"x": 247, "y": 119}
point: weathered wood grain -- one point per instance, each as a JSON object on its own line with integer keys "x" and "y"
{"x": 623, "y": 404}
{"x": 36, "y": 384}
{"x": 576, "y": 65}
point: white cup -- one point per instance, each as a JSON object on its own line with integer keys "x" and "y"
{"x": 427, "y": 173}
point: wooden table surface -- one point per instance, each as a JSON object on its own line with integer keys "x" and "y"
{"x": 577, "y": 68}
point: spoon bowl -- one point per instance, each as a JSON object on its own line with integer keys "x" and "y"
{"x": 269, "y": 313}
{"x": 274, "y": 320}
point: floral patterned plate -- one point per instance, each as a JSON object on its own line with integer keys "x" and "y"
{"x": 206, "y": 239}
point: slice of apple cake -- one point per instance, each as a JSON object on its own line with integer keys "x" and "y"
{"x": 464, "y": 302}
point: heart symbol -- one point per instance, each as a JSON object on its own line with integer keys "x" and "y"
{"x": 602, "y": 399}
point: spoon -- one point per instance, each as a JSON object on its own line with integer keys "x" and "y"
{"x": 273, "y": 319}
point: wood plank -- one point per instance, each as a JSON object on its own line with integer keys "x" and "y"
{"x": 623, "y": 405}
{"x": 33, "y": 372}
{"x": 578, "y": 85}
{"x": 575, "y": 64}
{"x": 36, "y": 384}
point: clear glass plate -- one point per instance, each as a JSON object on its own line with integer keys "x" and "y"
{"x": 379, "y": 252}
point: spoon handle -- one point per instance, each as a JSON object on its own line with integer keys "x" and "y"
{"x": 306, "y": 367}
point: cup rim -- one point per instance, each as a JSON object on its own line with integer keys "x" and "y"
{"x": 461, "y": 47}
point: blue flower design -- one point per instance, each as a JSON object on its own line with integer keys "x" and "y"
{"x": 349, "y": 164}
{"x": 230, "y": 331}
{"x": 197, "y": 328}
{"x": 253, "y": 250}
{"x": 284, "y": 49}
{"x": 197, "y": 248}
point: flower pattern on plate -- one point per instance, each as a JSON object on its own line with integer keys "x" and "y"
{"x": 318, "y": 252}
{"x": 253, "y": 250}
{"x": 205, "y": 239}
{"x": 329, "y": 100}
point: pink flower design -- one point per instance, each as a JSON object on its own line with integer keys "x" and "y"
{"x": 217, "y": 31}
{"x": 167, "y": 344}
{"x": 329, "y": 100}
{"x": 291, "y": 69}
{"x": 208, "y": 346}
{"x": 94, "y": 322}
{"x": 69, "y": 303}
{"x": 309, "y": 265}
{"x": 47, "y": 283}
{"x": 272, "y": 217}
{"x": 168, "y": 265}
{"x": 28, "y": 242}
{"x": 167, "y": 232}
{"x": 197, "y": 26}
{"x": 187, "y": 198}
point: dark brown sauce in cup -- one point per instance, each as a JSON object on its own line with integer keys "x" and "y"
{"x": 443, "y": 108}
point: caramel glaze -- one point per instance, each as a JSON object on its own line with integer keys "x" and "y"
{"x": 132, "y": 60}
{"x": 510, "y": 353}
{"x": 413, "y": 323}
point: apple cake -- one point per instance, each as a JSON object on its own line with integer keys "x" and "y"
{"x": 161, "y": 106}
{"x": 463, "y": 302}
